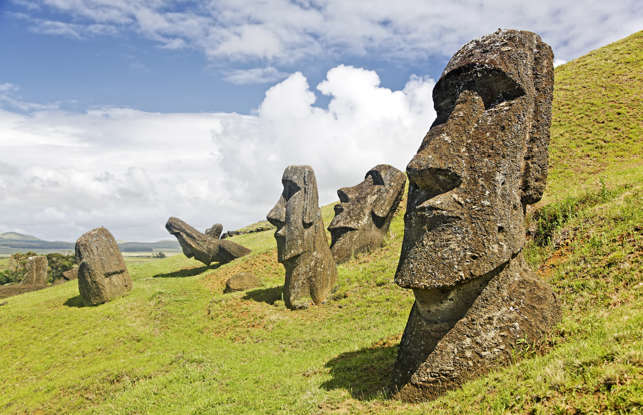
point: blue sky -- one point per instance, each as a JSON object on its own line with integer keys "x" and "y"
{"x": 124, "y": 112}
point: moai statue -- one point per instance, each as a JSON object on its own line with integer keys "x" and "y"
{"x": 365, "y": 211}
{"x": 36, "y": 271}
{"x": 202, "y": 247}
{"x": 483, "y": 160}
{"x": 302, "y": 246}
{"x": 102, "y": 274}
{"x": 214, "y": 231}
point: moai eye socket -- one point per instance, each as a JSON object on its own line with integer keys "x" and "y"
{"x": 290, "y": 189}
{"x": 376, "y": 177}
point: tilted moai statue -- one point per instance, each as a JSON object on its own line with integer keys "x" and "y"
{"x": 102, "y": 274}
{"x": 202, "y": 247}
{"x": 483, "y": 160}
{"x": 365, "y": 211}
{"x": 302, "y": 246}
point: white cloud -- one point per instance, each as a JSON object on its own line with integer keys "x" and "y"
{"x": 254, "y": 76}
{"x": 282, "y": 31}
{"x": 9, "y": 98}
{"x": 558, "y": 62}
{"x": 63, "y": 173}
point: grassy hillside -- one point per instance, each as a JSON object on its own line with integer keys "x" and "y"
{"x": 176, "y": 344}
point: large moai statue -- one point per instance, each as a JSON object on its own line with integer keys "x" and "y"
{"x": 302, "y": 246}
{"x": 102, "y": 274}
{"x": 36, "y": 271}
{"x": 204, "y": 247}
{"x": 365, "y": 211}
{"x": 483, "y": 160}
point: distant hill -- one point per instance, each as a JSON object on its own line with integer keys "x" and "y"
{"x": 11, "y": 242}
{"x": 18, "y": 236}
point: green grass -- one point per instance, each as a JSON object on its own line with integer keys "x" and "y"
{"x": 176, "y": 344}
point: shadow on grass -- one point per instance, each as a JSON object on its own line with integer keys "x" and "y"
{"x": 365, "y": 374}
{"x": 188, "y": 272}
{"x": 265, "y": 295}
{"x": 75, "y": 302}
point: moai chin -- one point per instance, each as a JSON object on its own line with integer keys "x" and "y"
{"x": 364, "y": 212}
{"x": 483, "y": 160}
{"x": 302, "y": 246}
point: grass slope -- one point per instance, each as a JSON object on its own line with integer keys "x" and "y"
{"x": 176, "y": 344}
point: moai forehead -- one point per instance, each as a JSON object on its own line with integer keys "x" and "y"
{"x": 483, "y": 159}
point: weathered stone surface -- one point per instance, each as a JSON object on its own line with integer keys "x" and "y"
{"x": 364, "y": 212}
{"x": 241, "y": 282}
{"x": 102, "y": 274}
{"x": 71, "y": 274}
{"x": 214, "y": 231}
{"x": 35, "y": 271}
{"x": 202, "y": 247}
{"x": 302, "y": 246}
{"x": 483, "y": 160}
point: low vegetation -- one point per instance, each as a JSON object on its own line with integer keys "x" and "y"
{"x": 177, "y": 344}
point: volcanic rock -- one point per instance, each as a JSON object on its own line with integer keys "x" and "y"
{"x": 203, "y": 247}
{"x": 364, "y": 212}
{"x": 483, "y": 160}
{"x": 241, "y": 282}
{"x": 102, "y": 274}
{"x": 302, "y": 246}
{"x": 35, "y": 271}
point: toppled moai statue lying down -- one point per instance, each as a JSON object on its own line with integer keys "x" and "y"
{"x": 202, "y": 247}
{"x": 483, "y": 160}
{"x": 302, "y": 246}
{"x": 364, "y": 212}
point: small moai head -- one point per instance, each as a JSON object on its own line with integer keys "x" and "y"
{"x": 214, "y": 231}
{"x": 483, "y": 160}
{"x": 188, "y": 237}
{"x": 364, "y": 212}
{"x": 295, "y": 212}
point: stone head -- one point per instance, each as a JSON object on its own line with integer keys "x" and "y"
{"x": 364, "y": 211}
{"x": 295, "y": 212}
{"x": 185, "y": 234}
{"x": 482, "y": 161}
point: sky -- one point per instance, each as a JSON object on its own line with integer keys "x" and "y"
{"x": 121, "y": 113}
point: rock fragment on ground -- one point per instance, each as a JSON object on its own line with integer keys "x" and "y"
{"x": 242, "y": 281}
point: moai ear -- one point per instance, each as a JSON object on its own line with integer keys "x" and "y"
{"x": 535, "y": 170}
{"x": 311, "y": 197}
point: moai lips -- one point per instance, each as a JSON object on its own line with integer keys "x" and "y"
{"x": 302, "y": 246}
{"x": 483, "y": 160}
{"x": 365, "y": 211}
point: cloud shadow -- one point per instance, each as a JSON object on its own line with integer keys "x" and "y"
{"x": 365, "y": 373}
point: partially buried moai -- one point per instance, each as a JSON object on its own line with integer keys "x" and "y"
{"x": 205, "y": 247}
{"x": 483, "y": 160}
{"x": 102, "y": 274}
{"x": 36, "y": 271}
{"x": 302, "y": 246}
{"x": 364, "y": 212}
